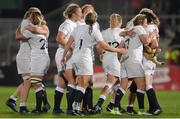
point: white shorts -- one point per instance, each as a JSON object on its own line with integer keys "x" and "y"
{"x": 69, "y": 64}
{"x": 134, "y": 68}
{"x": 83, "y": 67}
{"x": 23, "y": 60}
{"x": 39, "y": 64}
{"x": 58, "y": 57}
{"x": 112, "y": 67}
{"x": 148, "y": 66}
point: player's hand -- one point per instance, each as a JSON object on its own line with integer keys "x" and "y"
{"x": 30, "y": 26}
{"x": 123, "y": 51}
{"x": 63, "y": 60}
{"x": 130, "y": 33}
{"x": 101, "y": 57}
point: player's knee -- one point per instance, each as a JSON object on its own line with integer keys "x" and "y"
{"x": 108, "y": 85}
{"x": 90, "y": 84}
{"x": 116, "y": 87}
{"x": 36, "y": 82}
{"x": 26, "y": 78}
{"x": 133, "y": 88}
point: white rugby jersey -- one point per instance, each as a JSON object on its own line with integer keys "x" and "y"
{"x": 38, "y": 42}
{"x": 96, "y": 25}
{"x": 134, "y": 45}
{"x": 84, "y": 41}
{"x": 67, "y": 27}
{"x": 82, "y": 22}
{"x": 24, "y": 45}
{"x": 112, "y": 37}
{"x": 152, "y": 28}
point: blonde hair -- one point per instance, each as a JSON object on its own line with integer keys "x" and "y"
{"x": 151, "y": 16}
{"x": 139, "y": 19}
{"x": 113, "y": 18}
{"x": 90, "y": 19}
{"x": 87, "y": 6}
{"x": 30, "y": 10}
{"x": 37, "y": 19}
{"x": 70, "y": 9}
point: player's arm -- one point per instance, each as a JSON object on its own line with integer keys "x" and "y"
{"x": 122, "y": 44}
{"x": 126, "y": 33}
{"x": 99, "y": 41}
{"x": 143, "y": 36}
{"x": 66, "y": 49}
{"x": 60, "y": 38}
{"x": 19, "y": 35}
{"x": 144, "y": 39}
{"x": 106, "y": 47}
{"x": 155, "y": 38}
{"x": 99, "y": 49}
{"x": 38, "y": 29}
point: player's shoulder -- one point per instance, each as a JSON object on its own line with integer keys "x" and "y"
{"x": 24, "y": 23}
{"x": 138, "y": 27}
{"x": 68, "y": 24}
{"x": 105, "y": 30}
{"x": 152, "y": 27}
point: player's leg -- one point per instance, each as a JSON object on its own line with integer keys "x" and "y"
{"x": 36, "y": 82}
{"x": 46, "y": 105}
{"x": 119, "y": 94}
{"x": 154, "y": 107}
{"x": 131, "y": 98}
{"x": 59, "y": 91}
{"x": 79, "y": 94}
{"x": 110, "y": 106}
{"x": 24, "y": 93}
{"x": 140, "y": 83}
{"x": 11, "y": 102}
{"x": 111, "y": 80}
{"x": 71, "y": 88}
{"x": 87, "y": 105}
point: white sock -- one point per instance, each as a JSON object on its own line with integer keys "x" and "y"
{"x": 13, "y": 97}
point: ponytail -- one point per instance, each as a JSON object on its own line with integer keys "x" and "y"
{"x": 90, "y": 19}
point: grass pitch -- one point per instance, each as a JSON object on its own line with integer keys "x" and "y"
{"x": 169, "y": 101}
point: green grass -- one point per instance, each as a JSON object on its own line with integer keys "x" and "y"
{"x": 170, "y": 102}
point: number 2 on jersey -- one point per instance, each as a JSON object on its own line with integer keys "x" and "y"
{"x": 115, "y": 44}
{"x": 44, "y": 44}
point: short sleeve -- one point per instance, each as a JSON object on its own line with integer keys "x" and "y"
{"x": 152, "y": 28}
{"x": 27, "y": 34}
{"x": 97, "y": 25}
{"x": 24, "y": 23}
{"x": 140, "y": 30}
{"x": 64, "y": 28}
{"x": 98, "y": 35}
{"x": 74, "y": 32}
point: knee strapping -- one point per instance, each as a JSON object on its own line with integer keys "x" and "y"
{"x": 109, "y": 85}
{"x": 26, "y": 78}
{"x": 116, "y": 87}
{"x": 36, "y": 81}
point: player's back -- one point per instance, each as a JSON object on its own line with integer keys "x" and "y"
{"x": 85, "y": 40}
{"x": 134, "y": 45}
{"x": 111, "y": 36}
{"x": 24, "y": 45}
{"x": 38, "y": 42}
